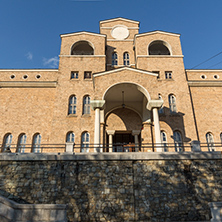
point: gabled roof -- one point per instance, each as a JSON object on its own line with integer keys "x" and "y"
{"x": 157, "y": 32}
{"x": 119, "y": 18}
{"x": 81, "y": 33}
{"x": 124, "y": 68}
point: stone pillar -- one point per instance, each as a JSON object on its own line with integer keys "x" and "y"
{"x": 135, "y": 133}
{"x": 69, "y": 147}
{"x": 110, "y": 133}
{"x": 146, "y": 135}
{"x": 155, "y": 105}
{"x": 97, "y": 105}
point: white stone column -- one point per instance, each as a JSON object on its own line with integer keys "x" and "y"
{"x": 157, "y": 130}
{"x": 111, "y": 134}
{"x": 155, "y": 105}
{"x": 136, "y": 133}
{"x": 97, "y": 105}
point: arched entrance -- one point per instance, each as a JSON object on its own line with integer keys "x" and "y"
{"x": 125, "y": 111}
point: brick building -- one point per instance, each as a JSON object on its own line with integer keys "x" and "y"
{"x": 118, "y": 86}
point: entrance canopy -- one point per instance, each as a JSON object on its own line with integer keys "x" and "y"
{"x": 127, "y": 95}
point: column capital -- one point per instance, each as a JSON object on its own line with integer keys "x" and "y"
{"x": 154, "y": 104}
{"x": 135, "y": 132}
{"x": 110, "y": 132}
{"x": 97, "y": 104}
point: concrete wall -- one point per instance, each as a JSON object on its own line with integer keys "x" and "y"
{"x": 116, "y": 187}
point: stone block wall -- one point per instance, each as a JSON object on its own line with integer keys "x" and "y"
{"x": 116, "y": 187}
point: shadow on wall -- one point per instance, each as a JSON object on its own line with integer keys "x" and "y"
{"x": 140, "y": 190}
{"x": 175, "y": 120}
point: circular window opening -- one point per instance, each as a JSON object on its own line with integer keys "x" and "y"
{"x": 25, "y": 77}
{"x": 216, "y": 77}
{"x": 38, "y": 76}
{"x": 203, "y": 77}
{"x": 12, "y": 76}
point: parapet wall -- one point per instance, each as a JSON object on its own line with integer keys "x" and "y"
{"x": 116, "y": 187}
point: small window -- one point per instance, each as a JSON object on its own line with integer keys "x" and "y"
{"x": 12, "y": 76}
{"x": 21, "y": 143}
{"x": 172, "y": 103}
{"x": 210, "y": 142}
{"x": 86, "y": 105}
{"x": 74, "y": 75}
{"x": 70, "y": 137}
{"x": 126, "y": 60}
{"x": 178, "y": 141}
{"x": 7, "y": 141}
{"x": 216, "y": 77}
{"x": 203, "y": 76}
{"x": 85, "y": 142}
{"x": 114, "y": 59}
{"x": 168, "y": 75}
{"x": 36, "y": 144}
{"x": 161, "y": 111}
{"x": 158, "y": 73}
{"x": 72, "y": 105}
{"x": 87, "y": 75}
{"x": 25, "y": 77}
{"x": 164, "y": 141}
{"x": 221, "y": 138}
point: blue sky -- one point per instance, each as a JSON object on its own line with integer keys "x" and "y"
{"x": 30, "y": 29}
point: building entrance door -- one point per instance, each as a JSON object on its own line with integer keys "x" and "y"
{"x": 123, "y": 142}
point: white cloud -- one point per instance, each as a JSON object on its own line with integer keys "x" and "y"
{"x": 29, "y": 56}
{"x": 52, "y": 62}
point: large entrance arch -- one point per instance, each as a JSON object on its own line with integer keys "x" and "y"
{"x": 125, "y": 112}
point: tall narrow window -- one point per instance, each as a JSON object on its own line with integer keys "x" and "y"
{"x": 172, "y": 103}
{"x": 161, "y": 108}
{"x": 221, "y": 137}
{"x": 210, "y": 142}
{"x": 85, "y": 142}
{"x": 36, "y": 143}
{"x": 164, "y": 141}
{"x": 21, "y": 143}
{"x": 114, "y": 59}
{"x": 7, "y": 141}
{"x": 72, "y": 105}
{"x": 126, "y": 60}
{"x": 86, "y": 105}
{"x": 178, "y": 141}
{"x": 70, "y": 137}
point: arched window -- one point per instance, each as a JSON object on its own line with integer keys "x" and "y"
{"x": 21, "y": 143}
{"x": 82, "y": 48}
{"x": 172, "y": 103}
{"x": 85, "y": 142}
{"x": 161, "y": 108}
{"x": 164, "y": 141}
{"x": 126, "y": 60}
{"x": 114, "y": 59}
{"x": 70, "y": 137}
{"x": 7, "y": 141}
{"x": 72, "y": 105}
{"x": 86, "y": 105}
{"x": 178, "y": 143}
{"x": 158, "y": 48}
{"x": 36, "y": 144}
{"x": 210, "y": 142}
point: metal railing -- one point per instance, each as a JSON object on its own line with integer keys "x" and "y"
{"x": 116, "y": 147}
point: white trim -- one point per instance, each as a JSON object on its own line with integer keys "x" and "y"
{"x": 137, "y": 28}
{"x": 119, "y": 18}
{"x": 120, "y": 65}
{"x": 28, "y": 84}
{"x": 205, "y": 83}
{"x": 29, "y": 70}
{"x": 124, "y": 68}
{"x": 82, "y": 33}
{"x": 90, "y": 56}
{"x": 156, "y": 32}
{"x": 116, "y": 40}
{"x": 158, "y": 56}
{"x": 204, "y": 70}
